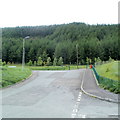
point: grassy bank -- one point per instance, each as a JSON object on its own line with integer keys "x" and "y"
{"x": 13, "y": 75}
{"x": 109, "y": 77}
{"x": 109, "y": 70}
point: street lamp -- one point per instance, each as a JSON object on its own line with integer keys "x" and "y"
{"x": 77, "y": 54}
{"x": 23, "y": 57}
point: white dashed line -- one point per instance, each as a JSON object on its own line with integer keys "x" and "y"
{"x": 82, "y": 116}
{"x": 75, "y": 109}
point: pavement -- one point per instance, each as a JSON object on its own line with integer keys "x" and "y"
{"x": 55, "y": 94}
{"x": 91, "y": 88}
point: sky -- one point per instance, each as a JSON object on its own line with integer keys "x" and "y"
{"x": 48, "y": 12}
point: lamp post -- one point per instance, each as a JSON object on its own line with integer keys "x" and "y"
{"x": 23, "y": 57}
{"x": 77, "y": 54}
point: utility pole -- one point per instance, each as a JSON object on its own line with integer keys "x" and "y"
{"x": 77, "y": 54}
{"x": 23, "y": 57}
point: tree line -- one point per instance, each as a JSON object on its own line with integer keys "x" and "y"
{"x": 40, "y": 62}
{"x": 59, "y": 41}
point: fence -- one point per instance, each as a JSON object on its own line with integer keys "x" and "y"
{"x": 112, "y": 85}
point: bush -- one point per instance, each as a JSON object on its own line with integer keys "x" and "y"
{"x": 29, "y": 63}
{"x": 107, "y": 70}
{"x": 110, "y": 59}
{"x": 55, "y": 61}
{"x": 40, "y": 61}
{"x": 48, "y": 61}
{"x": 4, "y": 63}
{"x": 98, "y": 61}
{"x": 112, "y": 89}
{"x": 60, "y": 61}
{"x": 8, "y": 63}
{"x": 35, "y": 63}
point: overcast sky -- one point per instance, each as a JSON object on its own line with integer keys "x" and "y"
{"x": 47, "y": 12}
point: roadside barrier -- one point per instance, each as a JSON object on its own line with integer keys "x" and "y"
{"x": 112, "y": 85}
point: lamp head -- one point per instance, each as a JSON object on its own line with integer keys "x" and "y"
{"x": 27, "y": 37}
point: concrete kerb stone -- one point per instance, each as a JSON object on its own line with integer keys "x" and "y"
{"x": 94, "y": 96}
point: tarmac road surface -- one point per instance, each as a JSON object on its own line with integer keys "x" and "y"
{"x": 54, "y": 94}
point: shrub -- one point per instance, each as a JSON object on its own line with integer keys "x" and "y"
{"x": 8, "y": 63}
{"x": 60, "y": 61}
{"x": 39, "y": 61}
{"x": 29, "y": 63}
{"x": 35, "y": 63}
{"x": 107, "y": 70}
{"x": 4, "y": 63}
{"x": 98, "y": 61}
{"x": 48, "y": 61}
{"x": 110, "y": 59}
{"x": 55, "y": 61}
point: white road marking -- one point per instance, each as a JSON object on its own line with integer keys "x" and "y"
{"x": 78, "y": 100}
{"x": 74, "y": 113}
{"x": 82, "y": 116}
{"x": 76, "y": 106}
{"x": 75, "y": 110}
{"x": 79, "y": 97}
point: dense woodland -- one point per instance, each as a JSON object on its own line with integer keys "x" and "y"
{"x": 67, "y": 41}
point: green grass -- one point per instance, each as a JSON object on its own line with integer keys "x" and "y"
{"x": 67, "y": 67}
{"x": 109, "y": 77}
{"x": 109, "y": 70}
{"x": 13, "y": 75}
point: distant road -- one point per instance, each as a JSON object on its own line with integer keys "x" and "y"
{"x": 54, "y": 94}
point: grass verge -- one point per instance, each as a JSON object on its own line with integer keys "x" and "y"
{"x": 109, "y": 77}
{"x": 13, "y": 75}
{"x": 109, "y": 70}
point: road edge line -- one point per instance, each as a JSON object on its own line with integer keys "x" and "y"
{"x": 94, "y": 96}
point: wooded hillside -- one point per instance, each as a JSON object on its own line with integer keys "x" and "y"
{"x": 93, "y": 41}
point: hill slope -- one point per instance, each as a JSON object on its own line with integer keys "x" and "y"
{"x": 61, "y": 40}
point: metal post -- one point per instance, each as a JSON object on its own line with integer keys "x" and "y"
{"x": 23, "y": 57}
{"x": 77, "y": 54}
